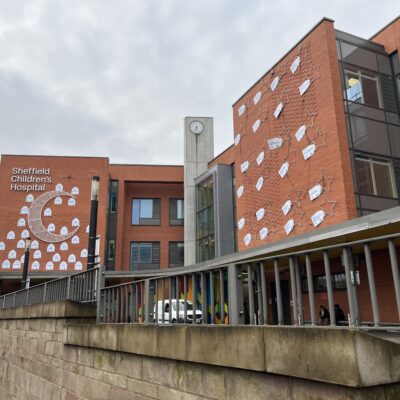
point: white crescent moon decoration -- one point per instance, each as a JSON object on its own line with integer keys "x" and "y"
{"x": 35, "y": 219}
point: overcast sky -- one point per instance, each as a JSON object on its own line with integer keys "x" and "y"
{"x": 116, "y": 77}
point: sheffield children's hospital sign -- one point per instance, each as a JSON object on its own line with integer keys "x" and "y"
{"x": 29, "y": 179}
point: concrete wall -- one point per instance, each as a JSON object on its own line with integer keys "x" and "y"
{"x": 55, "y": 352}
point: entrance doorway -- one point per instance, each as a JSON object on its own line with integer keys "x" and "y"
{"x": 287, "y": 320}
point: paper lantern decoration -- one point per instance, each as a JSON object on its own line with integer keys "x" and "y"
{"x": 37, "y": 254}
{"x": 295, "y": 64}
{"x": 300, "y": 133}
{"x": 260, "y": 183}
{"x": 51, "y": 228}
{"x": 35, "y": 265}
{"x": 237, "y": 138}
{"x": 247, "y": 239}
{"x": 71, "y": 202}
{"x": 241, "y": 223}
{"x": 263, "y": 233}
{"x": 2, "y": 246}
{"x": 12, "y": 254}
{"x": 260, "y": 158}
{"x": 240, "y": 191}
{"x": 257, "y": 97}
{"x": 304, "y": 86}
{"x": 275, "y": 143}
{"x": 87, "y": 229}
{"x": 289, "y": 226}
{"x": 241, "y": 110}
{"x": 22, "y": 258}
{"x": 58, "y": 201}
{"x": 84, "y": 253}
{"x": 51, "y": 248}
{"x": 24, "y": 210}
{"x": 315, "y": 192}
{"x": 75, "y": 240}
{"x": 34, "y": 244}
{"x": 274, "y": 83}
{"x": 21, "y": 222}
{"x": 49, "y": 266}
{"x": 64, "y": 246}
{"x": 29, "y": 198}
{"x": 256, "y": 125}
{"x": 47, "y": 212}
{"x": 21, "y": 244}
{"x": 244, "y": 166}
{"x": 75, "y": 222}
{"x": 64, "y": 230}
{"x": 56, "y": 257}
{"x": 283, "y": 169}
{"x": 71, "y": 258}
{"x": 63, "y": 266}
{"x": 318, "y": 217}
{"x": 75, "y": 191}
{"x": 309, "y": 151}
{"x": 10, "y": 235}
{"x": 78, "y": 266}
{"x": 278, "y": 110}
{"x": 5, "y": 264}
{"x": 286, "y": 207}
{"x": 16, "y": 264}
{"x": 260, "y": 214}
{"x": 24, "y": 234}
{"x": 59, "y": 187}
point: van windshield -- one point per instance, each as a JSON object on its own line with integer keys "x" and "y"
{"x": 182, "y": 305}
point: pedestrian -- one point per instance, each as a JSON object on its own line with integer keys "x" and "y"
{"x": 324, "y": 315}
{"x": 339, "y": 315}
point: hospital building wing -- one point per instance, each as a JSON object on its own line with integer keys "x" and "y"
{"x": 316, "y": 143}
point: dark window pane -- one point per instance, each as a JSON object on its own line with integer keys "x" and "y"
{"x": 394, "y": 136}
{"x": 370, "y": 92}
{"x": 364, "y": 111}
{"x": 359, "y": 56}
{"x": 383, "y": 181}
{"x": 364, "y": 174}
{"x": 111, "y": 250}
{"x": 384, "y": 64}
{"x": 145, "y": 253}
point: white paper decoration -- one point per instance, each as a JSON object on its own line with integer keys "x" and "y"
{"x": 22, "y": 258}
{"x": 244, "y": 166}
{"x": 300, "y": 133}
{"x": 11, "y": 235}
{"x": 5, "y": 264}
{"x": 260, "y": 214}
{"x": 260, "y": 158}
{"x": 241, "y": 223}
{"x": 21, "y": 244}
{"x": 78, "y": 266}
{"x": 2, "y": 246}
{"x": 75, "y": 240}
{"x": 47, "y": 212}
{"x": 256, "y": 125}
{"x": 260, "y": 183}
{"x": 257, "y": 97}
{"x": 37, "y": 254}
{"x": 315, "y": 192}
{"x": 49, "y": 266}
{"x": 63, "y": 266}
{"x": 24, "y": 234}
{"x": 75, "y": 190}
{"x": 64, "y": 230}
{"x": 12, "y": 254}
{"x": 64, "y": 246}
{"x": 247, "y": 239}
{"x": 58, "y": 201}
{"x": 29, "y": 198}
{"x": 24, "y": 210}
{"x": 263, "y": 233}
{"x": 318, "y": 217}
{"x": 71, "y": 202}
{"x": 286, "y": 207}
{"x": 21, "y": 222}
{"x": 278, "y": 110}
{"x": 239, "y": 193}
{"x": 56, "y": 257}
{"x": 309, "y": 151}
{"x": 295, "y": 64}
{"x": 241, "y": 110}
{"x": 71, "y": 258}
{"x": 75, "y": 222}
{"x": 283, "y": 169}
{"x": 51, "y": 227}
{"x": 289, "y": 226}
{"x": 59, "y": 187}
{"x": 304, "y": 86}
{"x": 236, "y": 140}
{"x": 84, "y": 253}
{"x": 87, "y": 229}
{"x": 16, "y": 264}
{"x": 275, "y": 143}
{"x": 34, "y": 244}
{"x": 274, "y": 83}
{"x": 51, "y": 248}
{"x": 35, "y": 265}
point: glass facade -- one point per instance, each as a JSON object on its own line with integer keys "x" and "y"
{"x": 371, "y": 103}
{"x": 205, "y": 231}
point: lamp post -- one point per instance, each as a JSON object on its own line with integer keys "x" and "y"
{"x": 26, "y": 263}
{"x": 93, "y": 222}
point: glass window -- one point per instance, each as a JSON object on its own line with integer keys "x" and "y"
{"x": 358, "y": 56}
{"x": 338, "y": 280}
{"x": 113, "y": 196}
{"x": 145, "y": 254}
{"x": 111, "y": 250}
{"x": 146, "y": 211}
{"x": 176, "y": 254}
{"x": 176, "y": 207}
{"x": 362, "y": 87}
{"x": 375, "y": 177}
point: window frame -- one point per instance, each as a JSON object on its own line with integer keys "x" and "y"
{"x": 176, "y": 221}
{"x": 141, "y": 265}
{"x": 176, "y": 265}
{"x": 145, "y": 221}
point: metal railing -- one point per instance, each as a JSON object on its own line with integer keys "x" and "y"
{"x": 278, "y": 289}
{"x": 82, "y": 287}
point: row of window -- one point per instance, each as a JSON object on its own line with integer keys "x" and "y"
{"x": 146, "y": 255}
{"x": 148, "y": 211}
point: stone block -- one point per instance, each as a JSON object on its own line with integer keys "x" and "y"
{"x": 172, "y": 342}
{"x": 67, "y": 395}
{"x": 138, "y": 339}
{"x": 103, "y": 336}
{"x": 101, "y": 391}
{"x": 69, "y": 380}
{"x": 123, "y": 394}
{"x": 166, "y": 393}
{"x": 85, "y": 356}
{"x": 160, "y": 371}
{"x": 114, "y": 379}
{"x": 78, "y": 335}
{"x": 141, "y": 387}
{"x": 104, "y": 360}
{"x": 84, "y": 387}
{"x": 70, "y": 354}
{"x": 128, "y": 365}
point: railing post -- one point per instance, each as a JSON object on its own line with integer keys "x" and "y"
{"x": 99, "y": 294}
{"x": 349, "y": 285}
{"x": 278, "y": 290}
{"x": 294, "y": 290}
{"x": 14, "y": 300}
{"x": 395, "y": 272}
{"x": 44, "y": 292}
{"x": 328, "y": 280}
{"x": 310, "y": 284}
{"x": 264, "y": 301}
{"x": 235, "y": 295}
{"x": 149, "y": 300}
{"x": 68, "y": 294}
{"x": 371, "y": 282}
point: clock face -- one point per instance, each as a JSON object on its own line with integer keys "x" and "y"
{"x": 196, "y": 127}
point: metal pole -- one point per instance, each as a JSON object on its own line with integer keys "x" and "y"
{"x": 204, "y": 309}
{"x": 93, "y": 222}
{"x": 26, "y": 263}
{"x": 222, "y": 295}
{"x": 251, "y": 293}
{"x": 346, "y": 261}
{"x": 371, "y": 283}
{"x": 299, "y": 292}
{"x": 263, "y": 294}
{"x": 235, "y": 295}
{"x": 329, "y": 290}
{"x": 294, "y": 291}
{"x": 395, "y": 271}
{"x": 278, "y": 293}
{"x": 310, "y": 289}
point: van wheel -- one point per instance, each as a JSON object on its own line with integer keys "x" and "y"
{"x": 174, "y": 321}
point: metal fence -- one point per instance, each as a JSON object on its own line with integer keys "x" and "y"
{"x": 81, "y": 287}
{"x": 251, "y": 292}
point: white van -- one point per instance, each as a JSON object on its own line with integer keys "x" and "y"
{"x": 190, "y": 314}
